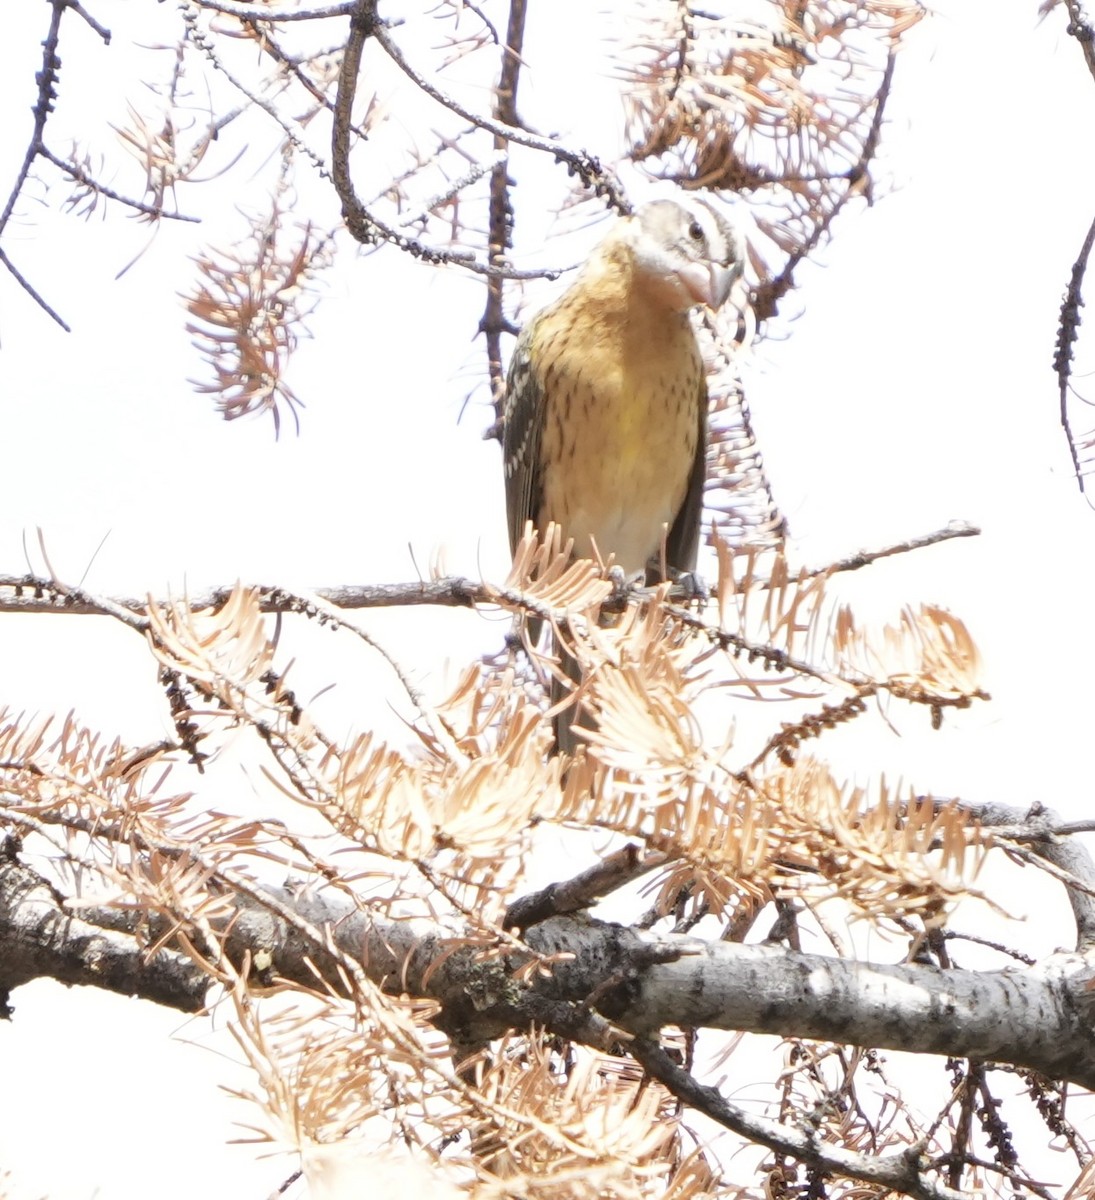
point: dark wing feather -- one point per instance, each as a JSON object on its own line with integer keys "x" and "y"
{"x": 522, "y": 432}
{"x": 682, "y": 544}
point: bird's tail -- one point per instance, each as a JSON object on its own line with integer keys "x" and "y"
{"x": 565, "y": 682}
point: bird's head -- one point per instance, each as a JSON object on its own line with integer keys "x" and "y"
{"x": 688, "y": 250}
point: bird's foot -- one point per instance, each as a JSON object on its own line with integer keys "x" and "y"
{"x": 623, "y": 586}
{"x": 691, "y": 586}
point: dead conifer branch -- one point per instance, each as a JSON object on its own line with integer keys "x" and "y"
{"x": 1035, "y": 827}
{"x": 85, "y": 200}
{"x": 38, "y": 594}
{"x": 248, "y": 315}
{"x": 785, "y": 108}
{"x": 363, "y": 224}
{"x": 593, "y": 174}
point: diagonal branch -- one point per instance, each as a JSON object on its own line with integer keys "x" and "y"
{"x": 901, "y": 1172}
{"x": 363, "y": 226}
{"x": 43, "y": 106}
{"x": 618, "y": 869}
{"x": 1039, "y": 829}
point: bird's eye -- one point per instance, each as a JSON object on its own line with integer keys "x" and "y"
{"x": 695, "y": 231}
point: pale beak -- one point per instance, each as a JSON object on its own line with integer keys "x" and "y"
{"x": 708, "y": 283}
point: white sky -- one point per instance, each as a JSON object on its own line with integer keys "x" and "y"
{"x": 914, "y": 387}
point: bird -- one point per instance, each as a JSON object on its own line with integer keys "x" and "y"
{"x": 605, "y": 409}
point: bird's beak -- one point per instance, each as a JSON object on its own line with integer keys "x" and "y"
{"x": 708, "y": 283}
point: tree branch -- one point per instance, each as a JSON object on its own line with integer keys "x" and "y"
{"x": 1068, "y": 330}
{"x": 903, "y": 1172}
{"x": 1039, "y": 828}
{"x": 627, "y": 864}
{"x": 1037, "y": 1018}
{"x": 364, "y": 227}
{"x": 586, "y": 166}
{"x": 43, "y": 106}
{"x": 40, "y": 594}
{"x": 41, "y": 938}
{"x": 500, "y": 212}
{"x": 1079, "y": 27}
{"x": 266, "y": 14}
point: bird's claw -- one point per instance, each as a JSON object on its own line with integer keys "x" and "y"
{"x": 692, "y": 586}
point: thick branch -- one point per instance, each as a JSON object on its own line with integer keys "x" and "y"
{"x": 1038, "y": 1017}
{"x": 1030, "y": 1017}
{"x": 40, "y": 938}
{"x": 500, "y": 220}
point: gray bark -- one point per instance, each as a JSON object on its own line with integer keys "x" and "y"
{"x": 1039, "y": 1017}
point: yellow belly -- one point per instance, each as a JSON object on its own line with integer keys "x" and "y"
{"x": 619, "y": 440}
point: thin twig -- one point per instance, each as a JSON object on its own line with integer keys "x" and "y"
{"x": 864, "y": 558}
{"x": 1068, "y": 329}
{"x": 43, "y": 106}
{"x": 80, "y": 11}
{"x": 900, "y": 1172}
{"x": 1064, "y": 858}
{"x": 81, "y": 176}
{"x": 623, "y": 866}
{"x": 250, "y": 13}
{"x": 33, "y": 292}
{"x": 586, "y": 166}
{"x": 857, "y": 177}
{"x": 363, "y": 225}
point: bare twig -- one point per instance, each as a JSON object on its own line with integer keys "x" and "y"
{"x": 857, "y": 178}
{"x": 901, "y": 1172}
{"x": 864, "y": 558}
{"x": 33, "y": 292}
{"x": 583, "y": 890}
{"x": 76, "y": 172}
{"x": 363, "y": 225}
{"x": 1064, "y": 858}
{"x": 274, "y": 16}
{"x": 43, "y": 106}
{"x": 1068, "y": 329}
{"x": 599, "y": 179}
{"x": 101, "y": 30}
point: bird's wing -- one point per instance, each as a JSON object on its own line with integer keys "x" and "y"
{"x": 522, "y": 431}
{"x": 682, "y": 543}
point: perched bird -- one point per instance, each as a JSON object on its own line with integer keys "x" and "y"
{"x": 605, "y": 416}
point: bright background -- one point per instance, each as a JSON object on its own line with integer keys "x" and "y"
{"x": 913, "y": 387}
